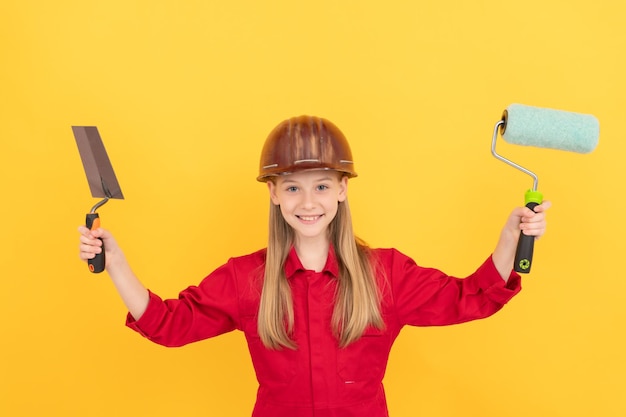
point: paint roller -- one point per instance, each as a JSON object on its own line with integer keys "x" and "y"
{"x": 544, "y": 128}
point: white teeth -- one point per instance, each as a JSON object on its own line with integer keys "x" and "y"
{"x": 308, "y": 218}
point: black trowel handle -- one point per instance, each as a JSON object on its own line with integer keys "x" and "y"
{"x": 525, "y": 247}
{"x": 96, "y": 264}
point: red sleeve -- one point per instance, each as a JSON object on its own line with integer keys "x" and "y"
{"x": 200, "y": 312}
{"x": 428, "y": 297}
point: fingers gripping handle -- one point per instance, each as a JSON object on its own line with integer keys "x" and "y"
{"x": 96, "y": 265}
{"x": 526, "y": 244}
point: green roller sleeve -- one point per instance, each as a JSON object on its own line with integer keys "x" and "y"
{"x": 549, "y": 128}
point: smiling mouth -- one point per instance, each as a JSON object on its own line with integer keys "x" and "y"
{"x": 309, "y": 219}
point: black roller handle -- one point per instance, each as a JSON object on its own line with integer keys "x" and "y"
{"x": 525, "y": 248}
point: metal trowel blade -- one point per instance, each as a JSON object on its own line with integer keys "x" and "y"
{"x": 100, "y": 175}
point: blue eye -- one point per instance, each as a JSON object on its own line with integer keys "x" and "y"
{"x": 322, "y": 187}
{"x": 292, "y": 189}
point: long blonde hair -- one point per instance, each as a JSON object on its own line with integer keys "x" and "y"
{"x": 357, "y": 300}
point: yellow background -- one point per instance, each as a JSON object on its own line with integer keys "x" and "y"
{"x": 185, "y": 92}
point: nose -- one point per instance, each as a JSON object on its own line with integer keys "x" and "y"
{"x": 308, "y": 200}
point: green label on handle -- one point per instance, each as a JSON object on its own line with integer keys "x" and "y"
{"x": 524, "y": 264}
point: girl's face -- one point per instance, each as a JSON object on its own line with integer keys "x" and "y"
{"x": 308, "y": 200}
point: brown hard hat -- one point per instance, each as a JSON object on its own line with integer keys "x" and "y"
{"x": 305, "y": 143}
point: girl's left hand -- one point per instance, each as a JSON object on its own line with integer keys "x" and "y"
{"x": 521, "y": 220}
{"x": 532, "y": 223}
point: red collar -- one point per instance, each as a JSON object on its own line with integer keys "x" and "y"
{"x": 293, "y": 264}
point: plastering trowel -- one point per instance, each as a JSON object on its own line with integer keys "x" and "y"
{"x": 101, "y": 178}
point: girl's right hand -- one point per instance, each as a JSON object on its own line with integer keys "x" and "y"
{"x": 91, "y": 245}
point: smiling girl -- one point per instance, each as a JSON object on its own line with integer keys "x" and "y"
{"x": 320, "y": 309}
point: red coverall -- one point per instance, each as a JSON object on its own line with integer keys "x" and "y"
{"x": 320, "y": 379}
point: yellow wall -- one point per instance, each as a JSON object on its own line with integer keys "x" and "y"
{"x": 184, "y": 94}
